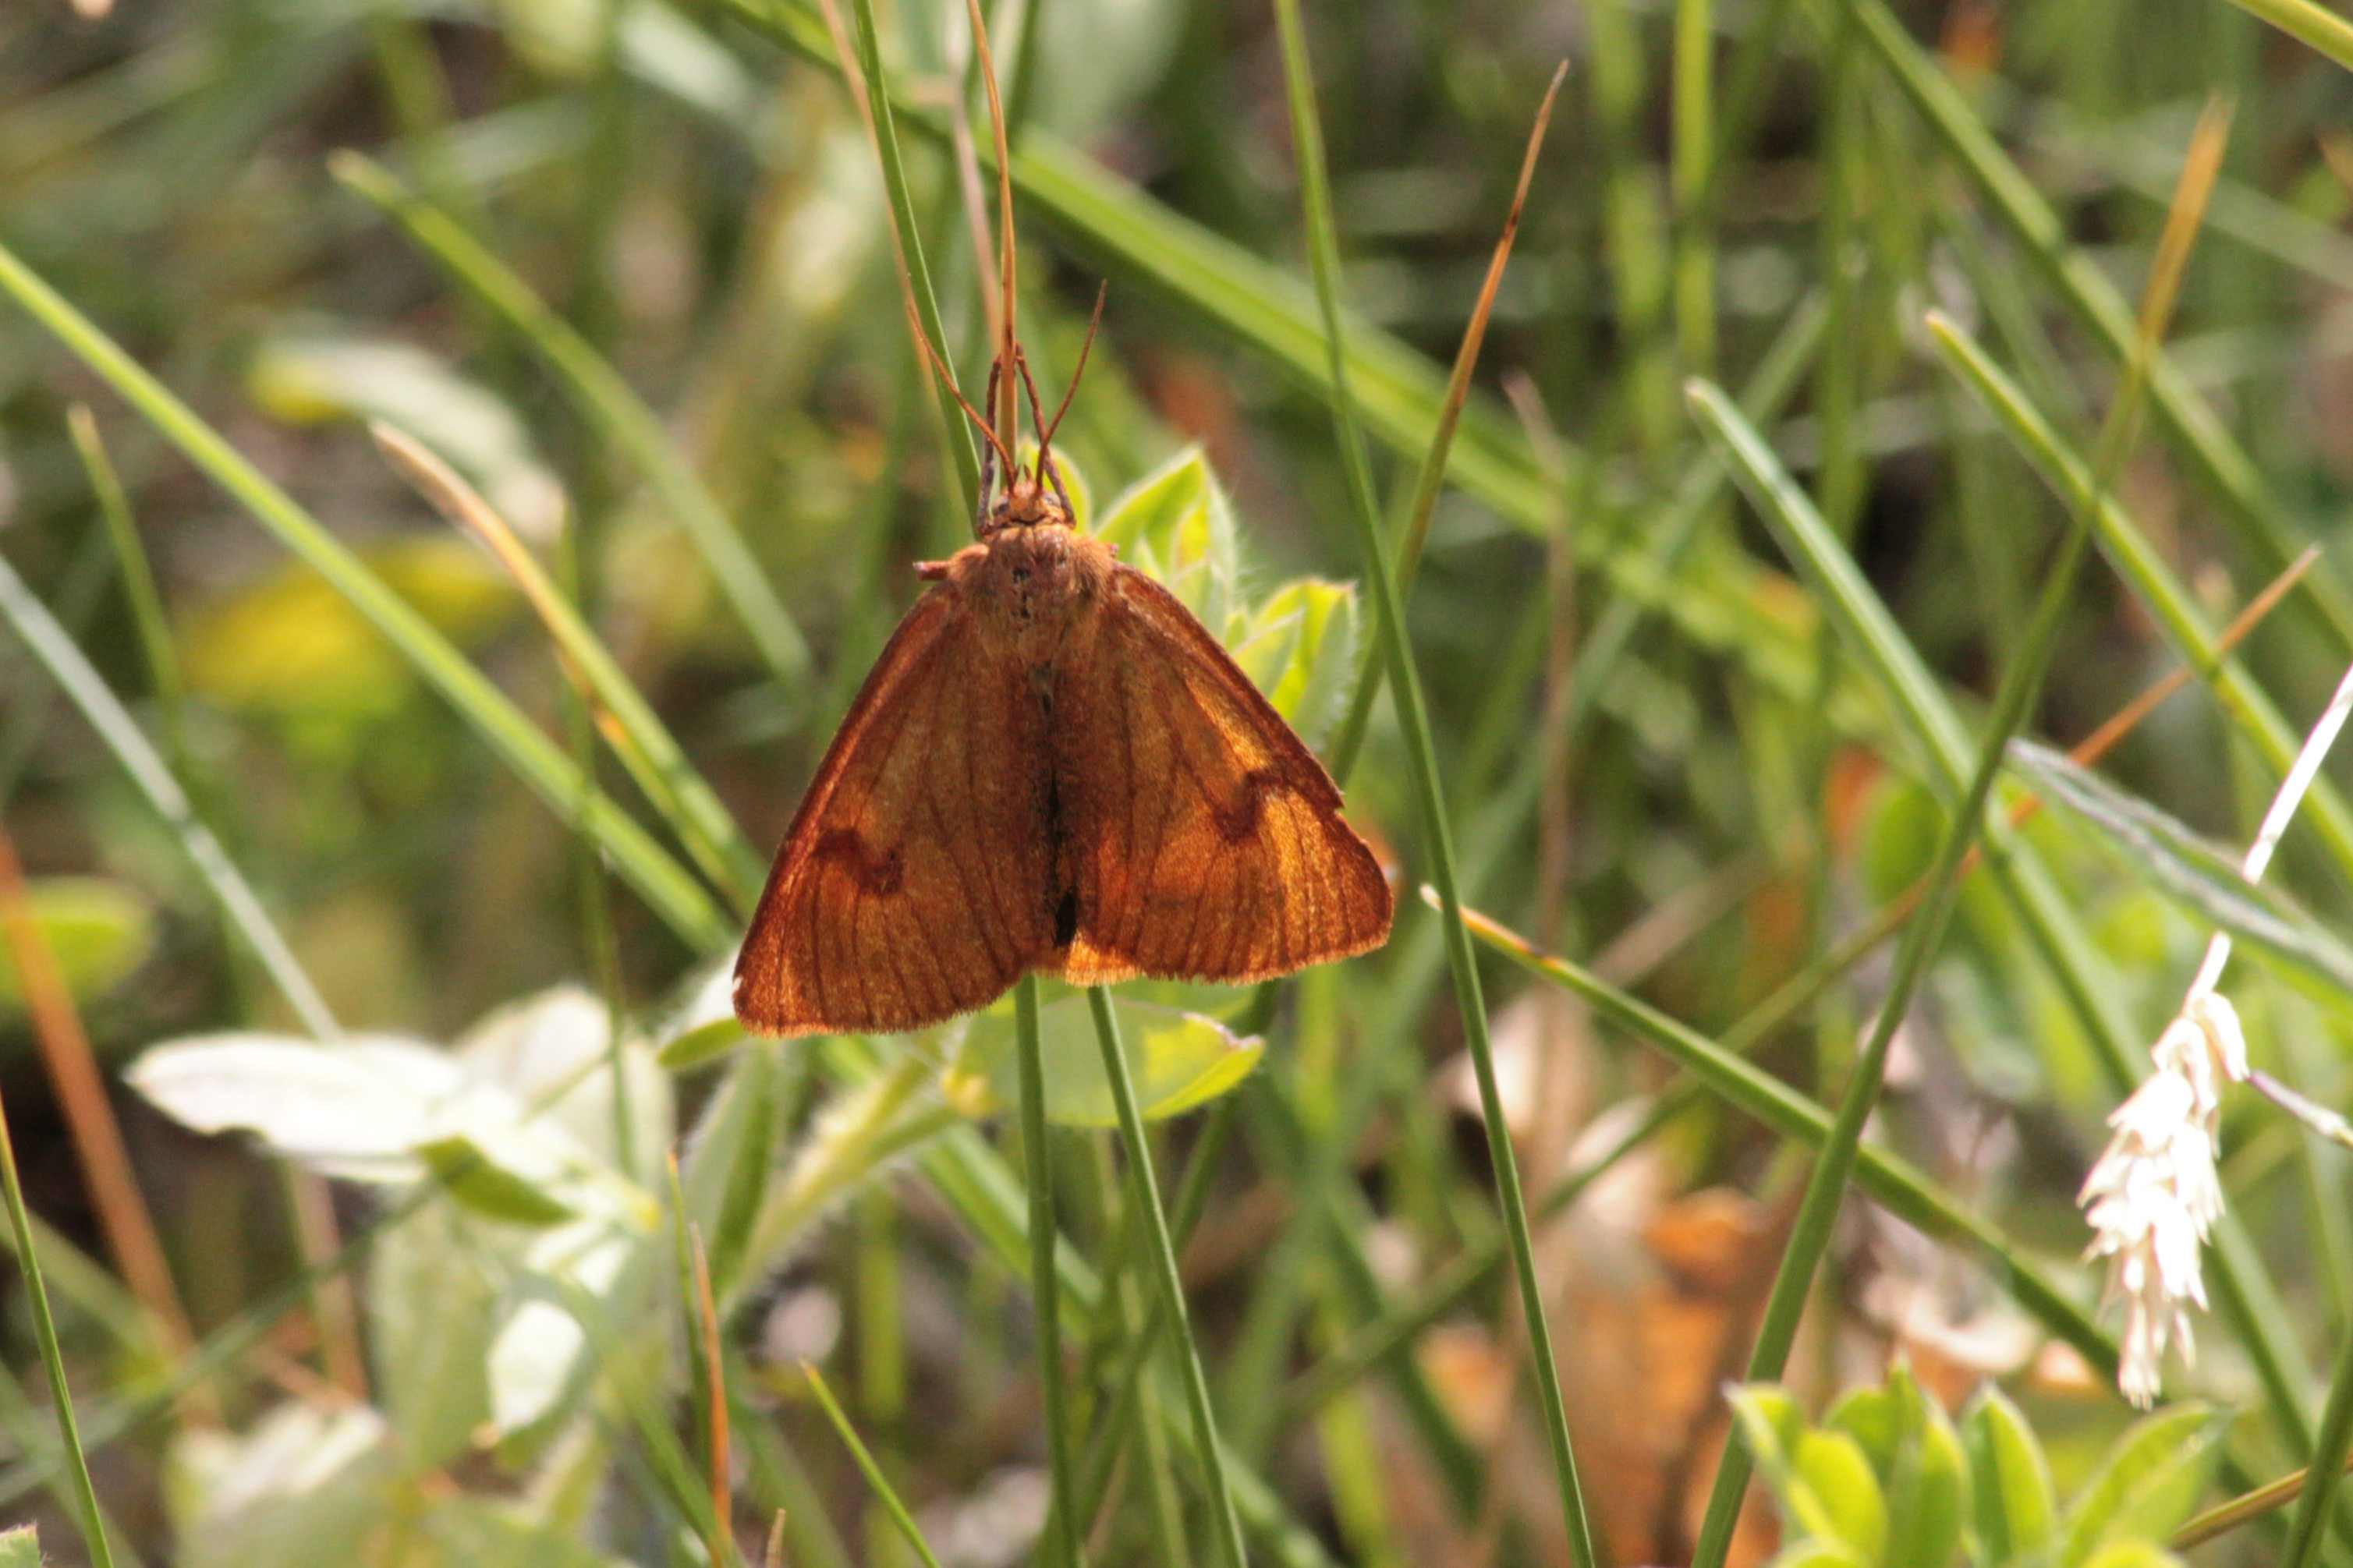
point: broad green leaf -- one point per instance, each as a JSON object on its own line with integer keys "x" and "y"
{"x": 291, "y": 646}
{"x": 268, "y": 1496}
{"x": 474, "y": 1177}
{"x": 1300, "y": 647}
{"x": 704, "y": 1028}
{"x": 2203, "y": 877}
{"x": 99, "y": 931}
{"x": 725, "y": 1169}
{"x": 2012, "y": 1502}
{"x": 312, "y": 376}
{"x": 1834, "y": 1469}
{"x": 553, "y": 1051}
{"x": 381, "y": 1109}
{"x": 1917, "y": 1458}
{"x": 2147, "y": 1483}
{"x": 1776, "y": 1434}
{"x": 1175, "y": 524}
{"x": 20, "y": 1547}
{"x": 541, "y": 1352}
{"x": 354, "y": 1110}
{"x": 430, "y": 1300}
{"x": 1178, "y": 1060}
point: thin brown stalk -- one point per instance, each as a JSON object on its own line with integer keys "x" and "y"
{"x": 715, "y": 1387}
{"x": 1005, "y": 412}
{"x": 1474, "y": 337}
{"x": 99, "y": 1147}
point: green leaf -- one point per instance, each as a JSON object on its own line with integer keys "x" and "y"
{"x": 2203, "y": 877}
{"x": 20, "y": 1547}
{"x": 313, "y": 376}
{"x": 726, "y": 1171}
{"x": 1914, "y": 1452}
{"x": 1175, "y": 524}
{"x": 2147, "y": 1484}
{"x": 2013, "y": 1502}
{"x": 354, "y": 1110}
{"x": 475, "y": 1178}
{"x": 1835, "y": 1469}
{"x": 268, "y": 1496}
{"x": 553, "y": 1051}
{"x": 430, "y": 1304}
{"x": 99, "y": 931}
{"x": 1179, "y": 1060}
{"x": 705, "y": 1027}
{"x": 1777, "y": 1434}
{"x": 1300, "y": 647}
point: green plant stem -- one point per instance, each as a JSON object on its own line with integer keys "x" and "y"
{"x": 909, "y": 238}
{"x": 1810, "y": 1233}
{"x": 883, "y": 1491}
{"x": 1063, "y": 1524}
{"x": 2329, "y": 1448}
{"x": 1171, "y": 1285}
{"x": 2316, "y": 25}
{"x": 45, "y": 1331}
{"x": 1405, "y": 685}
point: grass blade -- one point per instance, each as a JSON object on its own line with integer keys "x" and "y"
{"x": 883, "y": 1491}
{"x": 25, "y": 943}
{"x": 1405, "y": 685}
{"x": 658, "y": 878}
{"x": 1172, "y": 1288}
{"x": 1063, "y": 1524}
{"x": 603, "y": 399}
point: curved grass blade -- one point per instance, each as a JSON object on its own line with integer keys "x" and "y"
{"x": 664, "y": 885}
{"x": 2201, "y": 875}
{"x": 603, "y": 399}
{"x": 1413, "y": 719}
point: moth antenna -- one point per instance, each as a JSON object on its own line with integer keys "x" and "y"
{"x": 1046, "y": 436}
{"x": 948, "y": 381}
{"x": 1037, "y": 415}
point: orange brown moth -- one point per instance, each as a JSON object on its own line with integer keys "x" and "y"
{"x": 1052, "y": 767}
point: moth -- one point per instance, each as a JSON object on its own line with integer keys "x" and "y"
{"x": 1052, "y": 767}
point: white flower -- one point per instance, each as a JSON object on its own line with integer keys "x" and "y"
{"x": 2153, "y": 1196}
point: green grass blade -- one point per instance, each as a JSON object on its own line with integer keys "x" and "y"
{"x": 1413, "y": 719}
{"x": 45, "y": 1331}
{"x": 884, "y": 1492}
{"x": 1063, "y": 1524}
{"x": 2185, "y": 417}
{"x": 57, "y": 652}
{"x": 2128, "y": 549}
{"x": 2316, "y": 25}
{"x": 1810, "y": 1233}
{"x": 650, "y": 752}
{"x": 603, "y": 399}
{"x": 1171, "y": 1286}
{"x": 1890, "y": 1180}
{"x": 2329, "y": 1449}
{"x": 664, "y": 885}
